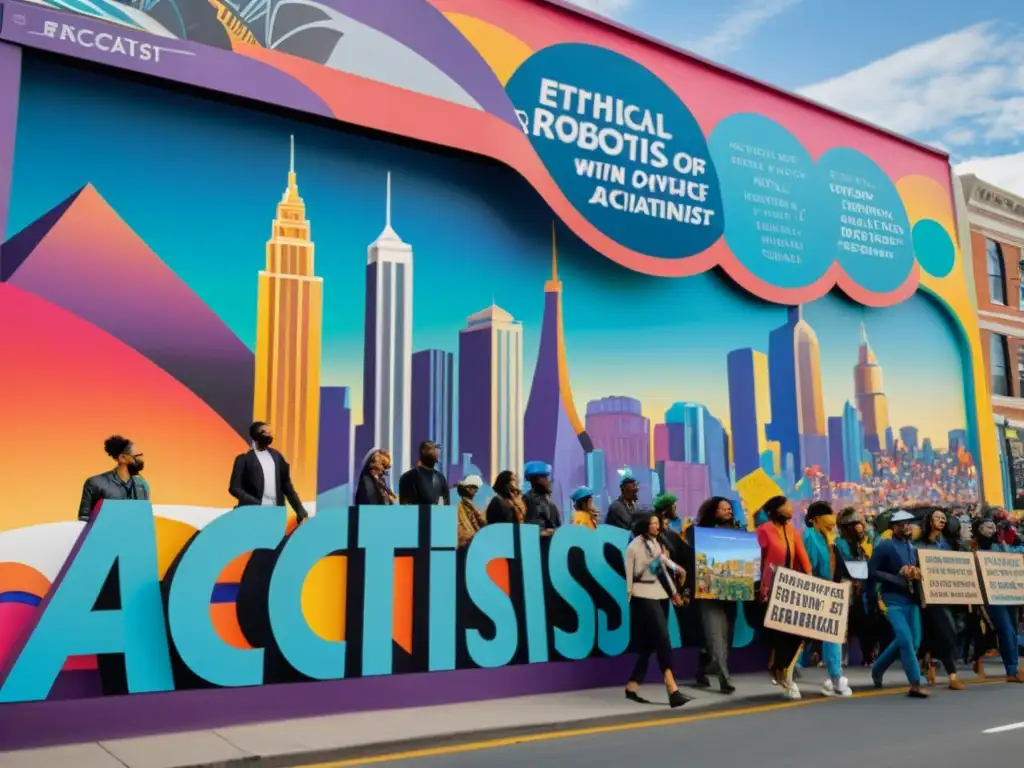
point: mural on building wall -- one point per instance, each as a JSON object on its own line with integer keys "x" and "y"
{"x": 358, "y": 294}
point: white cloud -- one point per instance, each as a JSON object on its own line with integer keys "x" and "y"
{"x": 1006, "y": 171}
{"x": 738, "y": 25}
{"x": 964, "y": 89}
{"x": 608, "y": 8}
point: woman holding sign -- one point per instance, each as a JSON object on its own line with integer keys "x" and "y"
{"x": 781, "y": 547}
{"x": 649, "y": 586}
{"x": 939, "y": 635}
{"x": 1000, "y": 619}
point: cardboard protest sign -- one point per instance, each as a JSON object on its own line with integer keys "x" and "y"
{"x": 728, "y": 564}
{"x": 949, "y": 578}
{"x": 754, "y": 490}
{"x": 1002, "y": 574}
{"x": 808, "y": 606}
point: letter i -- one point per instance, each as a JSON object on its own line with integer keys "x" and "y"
{"x": 443, "y": 541}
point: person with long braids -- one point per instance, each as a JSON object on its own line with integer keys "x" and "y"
{"x": 650, "y": 584}
{"x": 1000, "y": 620}
{"x": 781, "y": 547}
{"x": 717, "y": 617}
{"x": 939, "y": 628}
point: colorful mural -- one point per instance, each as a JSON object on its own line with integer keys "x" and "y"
{"x": 684, "y": 284}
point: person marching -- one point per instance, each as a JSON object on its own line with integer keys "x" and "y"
{"x": 855, "y": 546}
{"x": 781, "y": 547}
{"x": 938, "y": 625}
{"x": 894, "y": 568}
{"x": 819, "y": 540}
{"x": 1002, "y": 619}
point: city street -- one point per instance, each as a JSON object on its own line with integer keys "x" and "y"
{"x": 880, "y": 731}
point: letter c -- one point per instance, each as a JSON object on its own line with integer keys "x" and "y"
{"x": 305, "y": 650}
{"x": 188, "y": 605}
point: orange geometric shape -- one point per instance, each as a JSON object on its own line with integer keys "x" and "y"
{"x": 500, "y": 573}
{"x": 225, "y": 621}
{"x": 171, "y": 538}
{"x": 18, "y": 577}
{"x": 58, "y": 370}
{"x": 402, "y": 629}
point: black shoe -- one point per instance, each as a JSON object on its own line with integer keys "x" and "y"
{"x": 676, "y": 699}
{"x": 634, "y": 696}
{"x": 702, "y": 681}
{"x": 727, "y": 687}
{"x": 917, "y": 693}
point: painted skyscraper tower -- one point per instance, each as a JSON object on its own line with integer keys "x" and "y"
{"x": 870, "y": 395}
{"x": 491, "y": 391}
{"x": 289, "y": 323}
{"x": 810, "y": 402}
{"x": 387, "y": 350}
{"x": 554, "y": 432}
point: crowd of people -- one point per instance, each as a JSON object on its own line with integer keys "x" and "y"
{"x": 877, "y": 552}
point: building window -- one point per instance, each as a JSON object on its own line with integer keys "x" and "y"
{"x": 999, "y": 364}
{"x": 1020, "y": 370}
{"x": 996, "y": 277}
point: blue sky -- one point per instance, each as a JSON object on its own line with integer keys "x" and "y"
{"x": 479, "y": 232}
{"x": 947, "y": 72}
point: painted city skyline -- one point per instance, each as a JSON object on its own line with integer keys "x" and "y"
{"x": 600, "y": 362}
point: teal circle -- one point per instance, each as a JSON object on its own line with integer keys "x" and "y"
{"x": 860, "y": 221}
{"x": 765, "y": 174}
{"x": 934, "y": 248}
{"x": 622, "y": 147}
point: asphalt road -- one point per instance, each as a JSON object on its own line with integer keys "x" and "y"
{"x": 867, "y": 731}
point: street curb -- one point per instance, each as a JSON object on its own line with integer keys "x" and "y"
{"x": 379, "y": 749}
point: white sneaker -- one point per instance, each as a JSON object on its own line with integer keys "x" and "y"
{"x": 829, "y": 689}
{"x": 792, "y": 693}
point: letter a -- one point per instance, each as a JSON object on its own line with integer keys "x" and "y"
{"x": 122, "y": 533}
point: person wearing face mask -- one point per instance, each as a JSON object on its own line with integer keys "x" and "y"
{"x": 261, "y": 477}
{"x": 781, "y": 547}
{"x": 424, "y": 483}
{"x": 1000, "y": 621}
{"x": 120, "y": 483}
{"x": 894, "y": 568}
{"x": 938, "y": 625}
{"x": 372, "y": 487}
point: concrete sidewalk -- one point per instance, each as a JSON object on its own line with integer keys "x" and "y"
{"x": 349, "y": 736}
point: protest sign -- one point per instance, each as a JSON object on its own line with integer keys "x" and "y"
{"x": 1002, "y": 574}
{"x": 949, "y": 578}
{"x": 808, "y": 607}
{"x": 728, "y": 564}
{"x": 754, "y": 490}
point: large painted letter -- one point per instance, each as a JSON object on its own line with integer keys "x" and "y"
{"x": 305, "y": 650}
{"x": 578, "y": 644}
{"x": 533, "y": 593}
{"x": 188, "y": 605}
{"x": 493, "y": 542}
{"x": 122, "y": 533}
{"x": 611, "y": 643}
{"x": 382, "y": 530}
{"x": 444, "y": 538}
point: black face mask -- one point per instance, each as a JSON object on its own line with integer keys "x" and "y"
{"x": 263, "y": 441}
{"x": 136, "y": 468}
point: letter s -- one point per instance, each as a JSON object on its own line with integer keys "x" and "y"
{"x": 578, "y": 644}
{"x": 493, "y": 542}
{"x": 610, "y": 642}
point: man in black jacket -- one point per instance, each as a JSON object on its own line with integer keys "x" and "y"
{"x": 424, "y": 484}
{"x": 624, "y": 509}
{"x": 122, "y": 482}
{"x": 262, "y": 477}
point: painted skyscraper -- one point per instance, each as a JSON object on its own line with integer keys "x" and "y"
{"x": 387, "y": 350}
{"x": 810, "y": 402}
{"x": 554, "y": 432}
{"x": 289, "y": 324}
{"x": 491, "y": 391}
{"x": 620, "y": 431}
{"x": 432, "y": 392}
{"x": 784, "y": 426}
{"x": 334, "y": 458}
{"x": 870, "y": 395}
{"x": 749, "y": 407}
{"x": 853, "y": 444}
